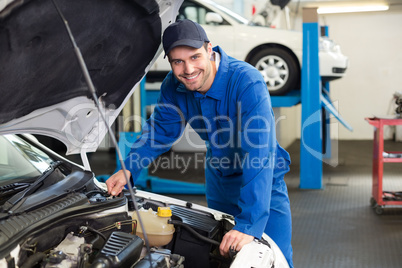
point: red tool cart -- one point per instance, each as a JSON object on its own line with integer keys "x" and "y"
{"x": 381, "y": 198}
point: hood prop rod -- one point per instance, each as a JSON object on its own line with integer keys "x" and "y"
{"x": 92, "y": 90}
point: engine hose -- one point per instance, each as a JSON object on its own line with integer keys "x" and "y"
{"x": 92, "y": 230}
{"x": 193, "y": 232}
{"x": 34, "y": 259}
{"x": 101, "y": 192}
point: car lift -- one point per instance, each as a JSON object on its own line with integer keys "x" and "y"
{"x": 314, "y": 97}
{"x": 315, "y": 129}
{"x": 315, "y": 101}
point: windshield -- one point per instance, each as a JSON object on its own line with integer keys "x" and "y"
{"x": 20, "y": 160}
{"x": 230, "y": 13}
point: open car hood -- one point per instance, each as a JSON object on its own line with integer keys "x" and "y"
{"x": 42, "y": 88}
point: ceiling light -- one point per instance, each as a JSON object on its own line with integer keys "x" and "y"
{"x": 347, "y": 9}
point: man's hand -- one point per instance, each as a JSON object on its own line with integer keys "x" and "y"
{"x": 235, "y": 240}
{"x": 116, "y": 182}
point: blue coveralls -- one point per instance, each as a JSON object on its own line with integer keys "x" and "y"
{"x": 245, "y": 165}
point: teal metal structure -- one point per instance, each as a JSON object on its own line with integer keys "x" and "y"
{"x": 311, "y": 127}
{"x": 153, "y": 183}
{"x": 316, "y": 107}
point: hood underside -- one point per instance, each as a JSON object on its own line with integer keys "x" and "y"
{"x": 42, "y": 87}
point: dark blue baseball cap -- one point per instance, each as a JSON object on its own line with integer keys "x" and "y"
{"x": 183, "y": 33}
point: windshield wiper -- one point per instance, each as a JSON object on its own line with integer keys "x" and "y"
{"x": 13, "y": 201}
{"x": 13, "y": 188}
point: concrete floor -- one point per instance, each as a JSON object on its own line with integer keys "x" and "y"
{"x": 335, "y": 226}
{"x": 332, "y": 227}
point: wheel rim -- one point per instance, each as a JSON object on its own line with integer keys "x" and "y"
{"x": 274, "y": 70}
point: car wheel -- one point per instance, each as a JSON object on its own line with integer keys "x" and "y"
{"x": 279, "y": 69}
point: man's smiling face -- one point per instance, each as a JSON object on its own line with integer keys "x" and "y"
{"x": 192, "y": 67}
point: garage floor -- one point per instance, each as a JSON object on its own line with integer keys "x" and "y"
{"x": 332, "y": 227}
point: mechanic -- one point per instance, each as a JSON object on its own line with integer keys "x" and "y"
{"x": 227, "y": 103}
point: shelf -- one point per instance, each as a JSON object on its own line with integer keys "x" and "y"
{"x": 381, "y": 199}
{"x": 392, "y": 160}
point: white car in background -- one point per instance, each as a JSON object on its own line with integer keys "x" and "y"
{"x": 276, "y": 53}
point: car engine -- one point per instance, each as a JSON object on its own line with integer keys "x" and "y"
{"x": 82, "y": 226}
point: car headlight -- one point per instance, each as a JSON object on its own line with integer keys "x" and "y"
{"x": 328, "y": 45}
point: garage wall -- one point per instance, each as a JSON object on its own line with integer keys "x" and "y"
{"x": 373, "y": 43}
{"x": 287, "y": 122}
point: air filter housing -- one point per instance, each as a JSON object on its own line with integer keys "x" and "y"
{"x": 121, "y": 250}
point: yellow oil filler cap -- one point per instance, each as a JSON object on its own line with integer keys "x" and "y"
{"x": 164, "y": 212}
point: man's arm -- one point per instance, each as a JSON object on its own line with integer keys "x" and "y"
{"x": 159, "y": 133}
{"x": 258, "y": 143}
{"x": 116, "y": 182}
{"x": 234, "y": 241}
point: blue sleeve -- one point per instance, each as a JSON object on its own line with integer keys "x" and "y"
{"x": 159, "y": 132}
{"x": 258, "y": 147}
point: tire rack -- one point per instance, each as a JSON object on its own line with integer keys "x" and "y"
{"x": 379, "y": 158}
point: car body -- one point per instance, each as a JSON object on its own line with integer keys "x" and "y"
{"x": 56, "y": 214}
{"x": 276, "y": 53}
{"x": 67, "y": 70}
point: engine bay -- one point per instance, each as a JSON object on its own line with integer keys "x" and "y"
{"x": 53, "y": 213}
{"x": 89, "y": 228}
{"x": 62, "y": 216}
